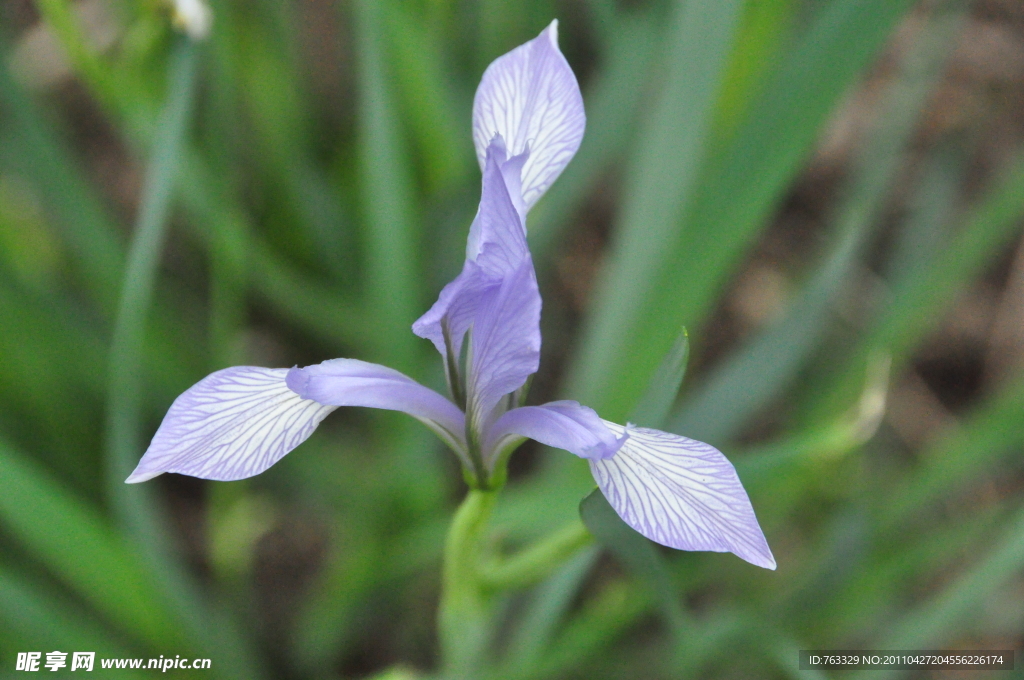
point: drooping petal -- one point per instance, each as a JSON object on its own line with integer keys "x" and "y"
{"x": 496, "y": 246}
{"x": 505, "y": 349}
{"x": 232, "y": 424}
{"x": 350, "y": 382}
{"x": 563, "y": 424}
{"x": 531, "y": 98}
{"x": 681, "y": 493}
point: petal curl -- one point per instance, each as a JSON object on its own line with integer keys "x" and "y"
{"x": 350, "y": 382}
{"x": 562, "y": 424}
{"x": 681, "y": 493}
{"x": 232, "y": 424}
{"x": 531, "y": 98}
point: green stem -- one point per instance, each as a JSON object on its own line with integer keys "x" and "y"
{"x": 535, "y": 563}
{"x": 464, "y": 616}
{"x": 124, "y": 389}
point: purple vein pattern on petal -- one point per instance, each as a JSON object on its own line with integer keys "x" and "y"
{"x": 681, "y": 493}
{"x": 506, "y": 341}
{"x": 563, "y": 424}
{"x": 496, "y": 246}
{"x": 531, "y": 98}
{"x": 232, "y": 424}
{"x": 351, "y": 382}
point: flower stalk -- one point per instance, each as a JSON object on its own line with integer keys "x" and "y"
{"x": 464, "y": 620}
{"x": 472, "y": 578}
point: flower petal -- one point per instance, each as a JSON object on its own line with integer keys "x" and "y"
{"x": 455, "y": 309}
{"x": 531, "y": 98}
{"x": 232, "y": 424}
{"x": 681, "y": 493}
{"x": 350, "y": 382}
{"x": 505, "y": 348}
{"x": 497, "y": 237}
{"x": 563, "y": 424}
{"x": 495, "y": 248}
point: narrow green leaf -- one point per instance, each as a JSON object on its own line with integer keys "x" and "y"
{"x": 915, "y": 305}
{"x": 123, "y": 406}
{"x": 31, "y": 148}
{"x": 548, "y": 604}
{"x": 657, "y": 401}
{"x": 134, "y": 505}
{"x": 679, "y": 272}
{"x": 321, "y": 310}
{"x": 935, "y": 622}
{"x": 81, "y": 549}
{"x": 637, "y": 553}
{"x": 662, "y": 175}
{"x": 765, "y": 365}
{"x": 34, "y": 619}
{"x": 963, "y": 456}
{"x": 391, "y": 230}
{"x": 613, "y": 105}
{"x": 438, "y": 119}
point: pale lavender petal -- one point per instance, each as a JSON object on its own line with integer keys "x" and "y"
{"x": 531, "y": 98}
{"x": 495, "y": 248}
{"x": 497, "y": 237}
{"x": 456, "y": 308}
{"x": 350, "y": 382}
{"x": 232, "y": 424}
{"x": 563, "y": 424}
{"x": 681, "y": 493}
{"x": 505, "y": 348}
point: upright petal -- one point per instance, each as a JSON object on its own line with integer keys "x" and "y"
{"x": 350, "y": 382}
{"x": 495, "y": 248}
{"x": 531, "y": 98}
{"x": 497, "y": 237}
{"x": 563, "y": 424}
{"x": 232, "y": 424}
{"x": 681, "y": 493}
{"x": 505, "y": 347}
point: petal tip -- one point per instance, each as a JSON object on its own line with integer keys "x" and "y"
{"x": 552, "y": 32}
{"x": 141, "y": 476}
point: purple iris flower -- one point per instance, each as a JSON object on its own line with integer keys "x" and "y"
{"x": 528, "y": 121}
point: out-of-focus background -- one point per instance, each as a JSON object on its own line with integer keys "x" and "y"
{"x": 827, "y": 194}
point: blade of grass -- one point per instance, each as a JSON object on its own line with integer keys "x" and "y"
{"x": 32, "y": 149}
{"x": 935, "y": 621}
{"x": 81, "y": 549}
{"x": 115, "y": 94}
{"x": 36, "y": 619}
{"x": 277, "y": 103}
{"x": 633, "y": 325}
{"x": 662, "y": 174}
{"x": 613, "y": 103}
{"x": 916, "y": 304}
{"x": 134, "y": 505}
{"x": 657, "y": 401}
{"x": 759, "y": 371}
{"x": 546, "y": 609}
{"x": 125, "y": 363}
{"x": 438, "y": 119}
{"x": 319, "y": 309}
{"x": 387, "y": 196}
{"x": 990, "y": 431}
{"x": 638, "y": 554}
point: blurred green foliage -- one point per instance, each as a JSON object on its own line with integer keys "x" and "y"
{"x": 299, "y": 186}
